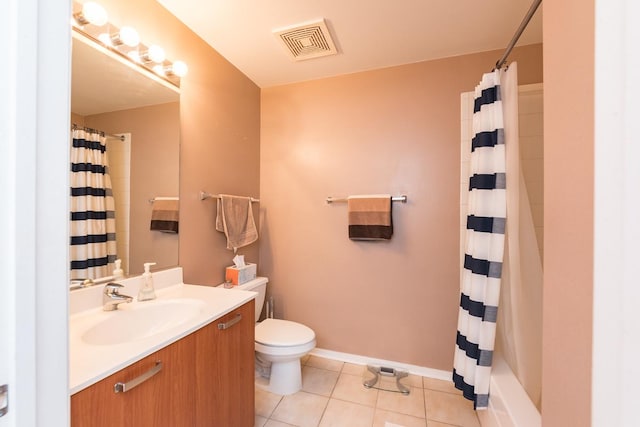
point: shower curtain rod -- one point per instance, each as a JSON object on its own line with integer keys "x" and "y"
{"x": 120, "y": 137}
{"x": 516, "y": 36}
{"x": 108, "y": 135}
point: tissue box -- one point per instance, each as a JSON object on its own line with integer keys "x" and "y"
{"x": 240, "y": 275}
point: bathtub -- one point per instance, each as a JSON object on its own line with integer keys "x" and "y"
{"x": 509, "y": 404}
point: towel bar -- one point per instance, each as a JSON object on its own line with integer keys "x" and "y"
{"x": 204, "y": 196}
{"x": 163, "y": 198}
{"x": 402, "y": 199}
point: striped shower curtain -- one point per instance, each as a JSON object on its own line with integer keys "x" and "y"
{"x": 93, "y": 224}
{"x": 486, "y": 218}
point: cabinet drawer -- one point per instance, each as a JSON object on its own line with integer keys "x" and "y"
{"x": 163, "y": 399}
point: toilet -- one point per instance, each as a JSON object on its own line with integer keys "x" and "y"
{"x": 279, "y": 342}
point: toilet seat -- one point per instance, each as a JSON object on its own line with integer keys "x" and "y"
{"x": 283, "y": 333}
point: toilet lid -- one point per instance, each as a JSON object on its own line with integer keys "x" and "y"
{"x": 282, "y": 333}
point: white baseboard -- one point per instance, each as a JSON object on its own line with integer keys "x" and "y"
{"x": 364, "y": 360}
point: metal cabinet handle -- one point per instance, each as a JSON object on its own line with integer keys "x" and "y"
{"x": 124, "y": 387}
{"x": 230, "y": 323}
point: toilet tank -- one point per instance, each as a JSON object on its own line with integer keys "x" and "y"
{"x": 259, "y": 285}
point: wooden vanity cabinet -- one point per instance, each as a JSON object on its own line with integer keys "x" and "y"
{"x": 165, "y": 399}
{"x": 225, "y": 370}
{"x": 206, "y": 379}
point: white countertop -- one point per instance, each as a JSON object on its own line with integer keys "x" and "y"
{"x": 90, "y": 363}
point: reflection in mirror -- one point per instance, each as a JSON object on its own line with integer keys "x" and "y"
{"x": 111, "y": 96}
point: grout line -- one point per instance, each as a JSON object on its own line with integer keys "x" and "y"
{"x": 324, "y": 411}
{"x": 424, "y": 399}
{"x": 375, "y": 407}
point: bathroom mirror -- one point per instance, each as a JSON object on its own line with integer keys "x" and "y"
{"x": 111, "y": 95}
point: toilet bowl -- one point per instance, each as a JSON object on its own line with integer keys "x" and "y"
{"x": 281, "y": 343}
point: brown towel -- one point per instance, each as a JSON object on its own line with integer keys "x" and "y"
{"x": 165, "y": 215}
{"x": 235, "y": 219}
{"x": 370, "y": 217}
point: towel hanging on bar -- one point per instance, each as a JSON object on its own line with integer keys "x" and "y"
{"x": 235, "y": 219}
{"x": 370, "y": 217}
{"x": 165, "y": 214}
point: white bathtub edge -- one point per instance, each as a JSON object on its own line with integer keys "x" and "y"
{"x": 509, "y": 404}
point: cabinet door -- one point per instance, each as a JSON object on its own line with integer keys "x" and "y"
{"x": 225, "y": 370}
{"x": 164, "y": 399}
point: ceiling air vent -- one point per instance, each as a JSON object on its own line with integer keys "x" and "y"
{"x": 306, "y": 41}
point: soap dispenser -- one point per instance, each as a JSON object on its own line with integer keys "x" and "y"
{"x": 146, "y": 290}
{"x": 117, "y": 271}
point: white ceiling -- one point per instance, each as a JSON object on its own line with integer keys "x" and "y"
{"x": 369, "y": 34}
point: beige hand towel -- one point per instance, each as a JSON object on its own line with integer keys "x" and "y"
{"x": 370, "y": 217}
{"x": 235, "y": 219}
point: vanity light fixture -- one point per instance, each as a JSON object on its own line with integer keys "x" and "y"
{"x": 158, "y": 69}
{"x": 154, "y": 54}
{"x": 151, "y": 58}
{"x": 105, "y": 39}
{"x": 91, "y": 13}
{"x": 127, "y": 36}
{"x": 134, "y": 55}
{"x": 178, "y": 68}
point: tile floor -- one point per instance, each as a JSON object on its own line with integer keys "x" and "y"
{"x": 332, "y": 395}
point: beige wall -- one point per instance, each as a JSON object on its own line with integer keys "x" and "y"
{"x": 220, "y": 134}
{"x": 155, "y": 153}
{"x": 568, "y": 212}
{"x": 530, "y": 105}
{"x": 394, "y": 130}
{"x": 77, "y": 119}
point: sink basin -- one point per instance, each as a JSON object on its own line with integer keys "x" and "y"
{"x": 141, "y": 320}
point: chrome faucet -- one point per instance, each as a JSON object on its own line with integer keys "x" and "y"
{"x": 111, "y": 297}
{"x": 80, "y": 283}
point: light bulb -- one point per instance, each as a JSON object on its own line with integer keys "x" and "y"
{"x": 134, "y": 55}
{"x": 127, "y": 35}
{"x": 179, "y": 68}
{"x": 159, "y": 69}
{"x": 105, "y": 39}
{"x": 92, "y": 13}
{"x": 155, "y": 53}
